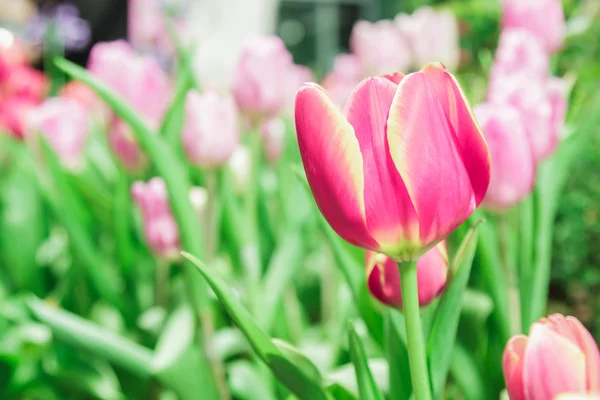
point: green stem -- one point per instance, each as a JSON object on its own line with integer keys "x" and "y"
{"x": 414, "y": 331}
{"x": 525, "y": 258}
{"x": 211, "y": 223}
{"x": 506, "y": 254}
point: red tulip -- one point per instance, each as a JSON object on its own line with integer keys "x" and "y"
{"x": 383, "y": 277}
{"x": 559, "y": 357}
{"x": 401, "y": 167}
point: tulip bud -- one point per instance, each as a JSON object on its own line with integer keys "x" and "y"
{"x": 380, "y": 47}
{"x": 298, "y": 75}
{"x": 432, "y": 36}
{"x": 543, "y": 18}
{"x": 513, "y": 165}
{"x": 123, "y": 143}
{"x": 559, "y": 357}
{"x": 65, "y": 125}
{"x": 401, "y": 167}
{"x": 273, "y": 134}
{"x": 259, "y": 83}
{"x": 344, "y": 77}
{"x": 383, "y": 277}
{"x": 22, "y": 81}
{"x": 160, "y": 227}
{"x": 211, "y": 132}
{"x": 14, "y": 113}
{"x": 520, "y": 52}
{"x": 240, "y": 165}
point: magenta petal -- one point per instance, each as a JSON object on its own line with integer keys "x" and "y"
{"x": 427, "y": 154}
{"x": 333, "y": 164}
{"x": 390, "y": 215}
{"x": 474, "y": 150}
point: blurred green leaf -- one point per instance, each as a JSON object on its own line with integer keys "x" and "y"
{"x": 338, "y": 392}
{"x": 397, "y": 356}
{"x": 366, "y": 384}
{"x": 467, "y": 374}
{"x": 246, "y": 383}
{"x": 445, "y": 325}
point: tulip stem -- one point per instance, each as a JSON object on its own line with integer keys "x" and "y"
{"x": 414, "y": 331}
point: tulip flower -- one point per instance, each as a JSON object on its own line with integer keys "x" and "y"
{"x": 559, "y": 357}
{"x": 298, "y": 75}
{"x": 14, "y": 113}
{"x": 123, "y": 143}
{"x": 383, "y": 277}
{"x": 345, "y": 75}
{"x": 401, "y": 167}
{"x": 543, "y": 18}
{"x": 520, "y": 52}
{"x": 557, "y": 94}
{"x": 259, "y": 83}
{"x": 380, "y": 47}
{"x": 432, "y": 36}
{"x": 513, "y": 165}
{"x": 211, "y": 132}
{"x": 273, "y": 135}
{"x": 22, "y": 81}
{"x": 65, "y": 125}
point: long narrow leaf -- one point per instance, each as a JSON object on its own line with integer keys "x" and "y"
{"x": 366, "y": 384}
{"x": 397, "y": 356}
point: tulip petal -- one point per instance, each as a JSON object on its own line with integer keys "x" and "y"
{"x": 390, "y": 215}
{"x": 590, "y": 350}
{"x": 432, "y": 272}
{"x": 396, "y": 77}
{"x": 553, "y": 365}
{"x": 383, "y": 279}
{"x": 426, "y": 152}
{"x": 474, "y": 149}
{"x": 333, "y": 164}
{"x": 512, "y": 365}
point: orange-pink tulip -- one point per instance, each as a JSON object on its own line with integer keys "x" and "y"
{"x": 383, "y": 277}
{"x": 559, "y": 357}
{"x": 400, "y": 167}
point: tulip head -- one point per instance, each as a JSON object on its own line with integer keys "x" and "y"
{"x": 513, "y": 165}
{"x": 400, "y": 167}
{"x": 345, "y": 75}
{"x": 383, "y": 277}
{"x": 211, "y": 131}
{"x": 297, "y": 76}
{"x": 14, "y": 114}
{"x": 259, "y": 83}
{"x": 559, "y": 357}
{"x": 124, "y": 145}
{"x": 543, "y": 18}
{"x": 520, "y": 52}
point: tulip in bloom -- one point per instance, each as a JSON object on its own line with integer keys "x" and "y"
{"x": 520, "y": 52}
{"x": 14, "y": 113}
{"x": 123, "y": 143}
{"x": 559, "y": 357}
{"x": 383, "y": 277}
{"x": 273, "y": 135}
{"x": 543, "y": 18}
{"x": 210, "y": 132}
{"x": 513, "y": 165}
{"x": 380, "y": 47}
{"x": 432, "y": 36}
{"x": 65, "y": 125}
{"x": 297, "y": 76}
{"x": 345, "y": 75}
{"x": 261, "y": 76}
{"x": 557, "y": 93}
{"x": 401, "y": 167}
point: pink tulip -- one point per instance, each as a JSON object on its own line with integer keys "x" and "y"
{"x": 543, "y": 18}
{"x": 22, "y": 81}
{"x": 273, "y": 134}
{"x": 65, "y": 125}
{"x": 259, "y": 83}
{"x": 520, "y": 52}
{"x": 123, "y": 143}
{"x": 297, "y": 76}
{"x": 82, "y": 94}
{"x": 559, "y": 357}
{"x": 145, "y": 22}
{"x": 578, "y": 396}
{"x": 380, "y": 47}
{"x": 211, "y": 131}
{"x": 557, "y": 94}
{"x": 513, "y": 165}
{"x": 344, "y": 77}
{"x": 14, "y": 113}
{"x": 432, "y": 36}
{"x": 401, "y": 167}
{"x": 383, "y": 277}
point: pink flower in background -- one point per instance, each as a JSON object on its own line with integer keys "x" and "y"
{"x": 401, "y": 167}
{"x": 123, "y": 143}
{"x": 543, "y": 18}
{"x": 557, "y": 93}
{"x": 65, "y": 125}
{"x": 160, "y": 228}
{"x": 513, "y": 164}
{"x": 145, "y": 22}
{"x": 380, "y": 47}
{"x": 559, "y": 357}
{"x": 14, "y": 113}
{"x": 432, "y": 36}
{"x": 297, "y": 76}
{"x": 211, "y": 129}
{"x": 261, "y": 77}
{"x": 383, "y": 277}
{"x": 240, "y": 166}
{"x": 80, "y": 93}
{"x": 520, "y": 53}
{"x": 345, "y": 75}
{"x": 273, "y": 134}
{"x": 22, "y": 80}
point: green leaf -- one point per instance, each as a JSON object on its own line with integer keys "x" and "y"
{"x": 291, "y": 375}
{"x": 467, "y": 374}
{"x": 338, "y": 392}
{"x": 397, "y": 356}
{"x": 246, "y": 383}
{"x": 345, "y": 376}
{"x": 366, "y": 384}
{"x": 445, "y": 325}
{"x": 175, "y": 114}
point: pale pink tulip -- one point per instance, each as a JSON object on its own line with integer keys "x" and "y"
{"x": 380, "y": 47}
{"x": 65, "y": 125}
{"x": 273, "y": 135}
{"x": 520, "y": 52}
{"x": 383, "y": 277}
{"x": 432, "y": 36}
{"x": 123, "y": 143}
{"x": 559, "y": 357}
{"x": 513, "y": 164}
{"x": 543, "y": 18}
{"x": 297, "y": 76}
{"x": 401, "y": 167}
{"x": 345, "y": 75}
{"x": 211, "y": 129}
{"x": 557, "y": 93}
{"x": 261, "y": 76}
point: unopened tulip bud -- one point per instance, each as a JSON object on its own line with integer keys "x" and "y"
{"x": 513, "y": 164}
{"x": 211, "y": 131}
{"x": 240, "y": 165}
{"x": 559, "y": 357}
{"x": 383, "y": 277}
{"x": 273, "y": 134}
{"x": 520, "y": 52}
